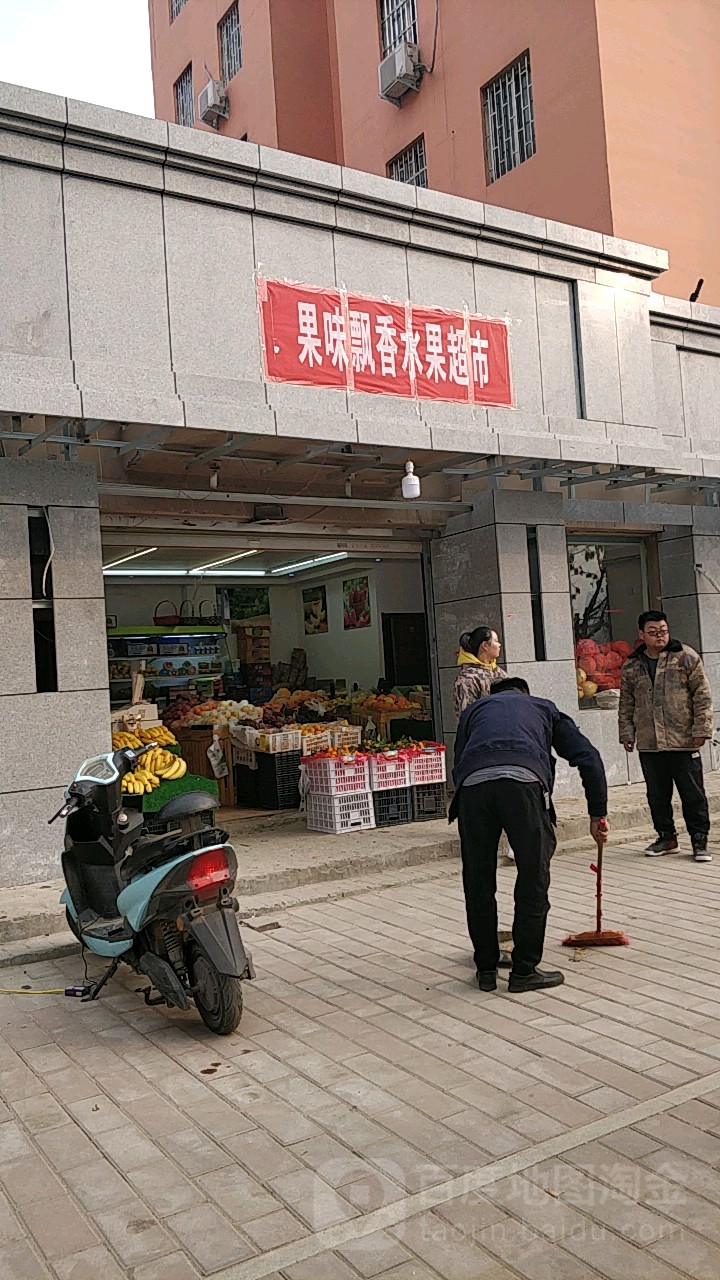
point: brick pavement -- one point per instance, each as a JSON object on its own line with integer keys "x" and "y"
{"x": 376, "y": 1115}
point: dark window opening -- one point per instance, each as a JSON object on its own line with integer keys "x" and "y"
{"x": 538, "y": 624}
{"x": 41, "y": 556}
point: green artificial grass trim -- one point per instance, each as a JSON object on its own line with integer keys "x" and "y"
{"x": 154, "y": 800}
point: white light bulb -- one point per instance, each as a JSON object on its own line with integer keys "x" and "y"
{"x": 410, "y": 483}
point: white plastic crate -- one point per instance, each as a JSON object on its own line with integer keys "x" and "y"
{"x": 334, "y": 815}
{"x": 312, "y": 742}
{"x": 243, "y": 756}
{"x": 335, "y": 777}
{"x": 345, "y": 735}
{"x": 270, "y": 743}
{"x": 388, "y": 772}
{"x": 428, "y": 766}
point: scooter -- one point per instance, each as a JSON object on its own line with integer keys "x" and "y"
{"x": 157, "y": 899}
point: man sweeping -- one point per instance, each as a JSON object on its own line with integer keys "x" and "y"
{"x": 666, "y": 711}
{"x": 504, "y": 774}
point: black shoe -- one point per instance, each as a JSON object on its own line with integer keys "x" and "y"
{"x": 487, "y": 981}
{"x": 663, "y": 844}
{"x": 700, "y": 849}
{"x": 505, "y": 961}
{"x": 535, "y": 981}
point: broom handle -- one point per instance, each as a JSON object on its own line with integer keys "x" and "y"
{"x": 598, "y": 891}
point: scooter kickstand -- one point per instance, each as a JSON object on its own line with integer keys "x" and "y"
{"x": 97, "y": 987}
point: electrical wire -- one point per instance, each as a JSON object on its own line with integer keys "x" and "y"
{"x": 52, "y": 551}
{"x": 431, "y": 68}
{"x": 24, "y": 991}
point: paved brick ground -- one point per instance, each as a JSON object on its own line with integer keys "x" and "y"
{"x": 378, "y": 1116}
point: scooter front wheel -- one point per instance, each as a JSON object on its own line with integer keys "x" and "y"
{"x": 218, "y": 997}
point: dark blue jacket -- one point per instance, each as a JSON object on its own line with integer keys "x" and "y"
{"x": 512, "y": 728}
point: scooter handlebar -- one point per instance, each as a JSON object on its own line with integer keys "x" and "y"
{"x": 67, "y": 808}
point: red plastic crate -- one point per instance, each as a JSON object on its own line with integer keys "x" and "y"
{"x": 428, "y": 765}
{"x": 389, "y": 772}
{"x": 335, "y": 776}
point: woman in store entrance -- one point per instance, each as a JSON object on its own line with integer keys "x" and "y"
{"x": 478, "y": 667}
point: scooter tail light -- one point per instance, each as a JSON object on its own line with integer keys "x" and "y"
{"x": 211, "y": 867}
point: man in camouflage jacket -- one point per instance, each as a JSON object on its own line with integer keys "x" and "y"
{"x": 666, "y": 711}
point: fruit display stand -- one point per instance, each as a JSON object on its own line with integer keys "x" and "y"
{"x": 374, "y": 788}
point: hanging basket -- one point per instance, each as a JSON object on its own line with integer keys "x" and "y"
{"x": 212, "y": 619}
{"x": 166, "y": 617}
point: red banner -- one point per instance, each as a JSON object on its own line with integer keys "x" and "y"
{"x": 329, "y": 338}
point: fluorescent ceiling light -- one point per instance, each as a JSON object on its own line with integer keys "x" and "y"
{"x": 228, "y": 559}
{"x": 309, "y": 564}
{"x": 183, "y": 573}
{"x": 145, "y": 572}
{"x": 133, "y": 556}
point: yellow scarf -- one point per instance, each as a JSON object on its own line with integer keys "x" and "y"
{"x": 466, "y": 659}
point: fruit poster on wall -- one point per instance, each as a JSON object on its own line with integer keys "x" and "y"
{"x": 315, "y": 610}
{"x": 248, "y": 602}
{"x": 356, "y": 603}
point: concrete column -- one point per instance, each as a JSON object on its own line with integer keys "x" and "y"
{"x": 481, "y": 573}
{"x": 45, "y": 736}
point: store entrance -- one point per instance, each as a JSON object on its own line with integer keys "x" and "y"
{"x": 252, "y": 656}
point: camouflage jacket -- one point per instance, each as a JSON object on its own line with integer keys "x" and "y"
{"x": 669, "y": 714}
{"x": 472, "y": 682}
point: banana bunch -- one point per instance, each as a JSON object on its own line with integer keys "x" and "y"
{"x": 158, "y": 734}
{"x": 120, "y": 740}
{"x": 159, "y": 763}
{"x": 139, "y": 782}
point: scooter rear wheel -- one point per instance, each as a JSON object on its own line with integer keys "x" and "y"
{"x": 218, "y": 998}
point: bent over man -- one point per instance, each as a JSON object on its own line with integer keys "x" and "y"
{"x": 504, "y": 774}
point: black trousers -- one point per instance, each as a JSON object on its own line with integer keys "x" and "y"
{"x": 519, "y": 809}
{"x": 683, "y": 768}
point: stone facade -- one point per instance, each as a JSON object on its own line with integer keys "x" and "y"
{"x": 45, "y": 736}
{"x": 130, "y": 250}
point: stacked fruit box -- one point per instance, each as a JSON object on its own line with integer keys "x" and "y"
{"x": 339, "y": 798}
{"x": 428, "y": 781}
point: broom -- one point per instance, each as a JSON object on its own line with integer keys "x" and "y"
{"x": 597, "y": 937}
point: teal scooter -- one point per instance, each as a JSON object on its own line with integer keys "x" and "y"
{"x": 160, "y": 900}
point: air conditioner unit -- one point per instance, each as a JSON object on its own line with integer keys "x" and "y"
{"x": 213, "y": 102}
{"x": 399, "y": 72}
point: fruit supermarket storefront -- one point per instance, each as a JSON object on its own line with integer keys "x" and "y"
{"x": 217, "y": 359}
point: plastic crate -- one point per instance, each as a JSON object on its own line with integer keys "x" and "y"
{"x": 393, "y": 808}
{"x": 335, "y": 815}
{"x": 312, "y": 742}
{"x": 336, "y": 777}
{"x": 387, "y": 773}
{"x": 428, "y": 765}
{"x": 243, "y": 756}
{"x": 280, "y": 740}
{"x": 278, "y": 781}
{"x": 345, "y": 735}
{"x": 429, "y": 801}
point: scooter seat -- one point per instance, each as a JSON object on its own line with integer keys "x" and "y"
{"x": 185, "y": 806}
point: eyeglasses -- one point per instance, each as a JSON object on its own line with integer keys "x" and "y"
{"x": 655, "y": 634}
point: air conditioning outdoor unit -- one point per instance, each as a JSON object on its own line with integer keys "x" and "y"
{"x": 399, "y": 72}
{"x": 213, "y": 102}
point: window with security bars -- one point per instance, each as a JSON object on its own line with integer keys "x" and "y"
{"x": 230, "y": 43}
{"x": 184, "y": 104}
{"x": 398, "y": 22}
{"x": 509, "y": 119}
{"x": 411, "y": 165}
{"x": 175, "y": 7}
